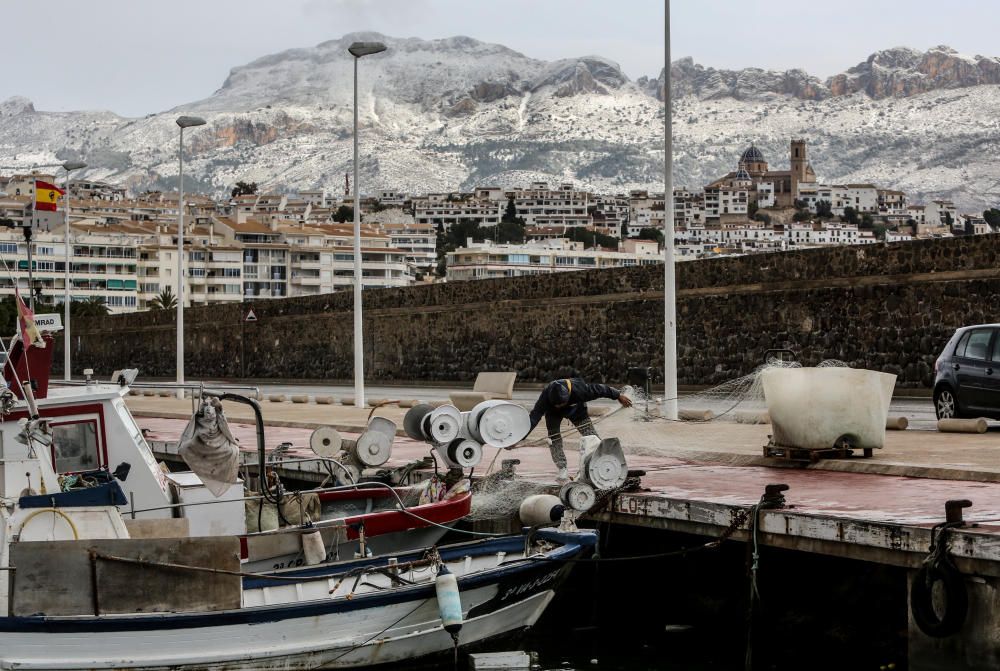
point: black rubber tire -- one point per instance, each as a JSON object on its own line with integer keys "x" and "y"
{"x": 956, "y": 600}
{"x": 937, "y": 394}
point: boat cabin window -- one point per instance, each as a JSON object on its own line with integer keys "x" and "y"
{"x": 74, "y": 446}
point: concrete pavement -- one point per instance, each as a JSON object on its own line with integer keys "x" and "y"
{"x": 917, "y": 452}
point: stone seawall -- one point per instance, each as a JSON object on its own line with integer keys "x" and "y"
{"x": 884, "y": 307}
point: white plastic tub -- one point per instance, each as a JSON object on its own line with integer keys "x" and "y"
{"x": 818, "y": 408}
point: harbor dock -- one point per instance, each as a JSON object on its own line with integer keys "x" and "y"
{"x": 698, "y": 477}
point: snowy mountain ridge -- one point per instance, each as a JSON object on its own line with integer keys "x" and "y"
{"x": 440, "y": 115}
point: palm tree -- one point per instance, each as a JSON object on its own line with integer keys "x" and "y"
{"x": 165, "y": 300}
{"x": 94, "y": 306}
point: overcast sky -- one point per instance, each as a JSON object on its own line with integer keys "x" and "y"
{"x": 136, "y": 57}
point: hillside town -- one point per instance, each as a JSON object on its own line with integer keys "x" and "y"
{"x": 253, "y": 244}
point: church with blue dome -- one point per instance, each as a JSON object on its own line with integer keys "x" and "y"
{"x": 753, "y": 173}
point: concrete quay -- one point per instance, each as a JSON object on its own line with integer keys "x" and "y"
{"x": 698, "y": 476}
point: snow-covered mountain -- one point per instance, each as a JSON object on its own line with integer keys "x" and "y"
{"x": 444, "y": 114}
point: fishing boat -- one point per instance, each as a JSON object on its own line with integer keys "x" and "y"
{"x": 78, "y": 592}
{"x": 349, "y": 615}
{"x": 94, "y": 432}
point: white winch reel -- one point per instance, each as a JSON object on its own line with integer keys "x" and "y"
{"x": 325, "y": 442}
{"x": 577, "y": 495}
{"x": 445, "y": 428}
{"x": 461, "y": 453}
{"x": 498, "y": 423}
{"x": 604, "y": 467}
{"x": 374, "y": 446}
{"x": 443, "y": 424}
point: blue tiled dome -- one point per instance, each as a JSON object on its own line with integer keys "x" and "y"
{"x": 752, "y": 155}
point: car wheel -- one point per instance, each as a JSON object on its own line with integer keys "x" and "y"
{"x": 946, "y": 404}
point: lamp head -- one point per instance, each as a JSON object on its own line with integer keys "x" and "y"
{"x": 69, "y": 166}
{"x": 188, "y": 121}
{"x": 359, "y": 49}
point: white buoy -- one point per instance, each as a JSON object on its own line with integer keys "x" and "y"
{"x": 449, "y": 601}
{"x": 313, "y": 547}
{"x": 498, "y": 423}
{"x": 540, "y": 509}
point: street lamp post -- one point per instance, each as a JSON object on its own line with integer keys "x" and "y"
{"x": 68, "y": 166}
{"x": 669, "y": 278}
{"x": 359, "y": 49}
{"x": 183, "y": 122}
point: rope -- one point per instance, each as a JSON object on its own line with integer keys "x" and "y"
{"x": 54, "y": 511}
{"x": 374, "y": 636}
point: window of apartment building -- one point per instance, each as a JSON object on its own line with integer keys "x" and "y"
{"x": 151, "y": 288}
{"x": 44, "y": 251}
{"x": 564, "y": 260}
{"x": 230, "y": 272}
{"x": 196, "y": 272}
{"x": 8, "y": 248}
{"x": 196, "y": 256}
{"x": 120, "y": 301}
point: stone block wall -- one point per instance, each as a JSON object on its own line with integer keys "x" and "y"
{"x": 885, "y": 307}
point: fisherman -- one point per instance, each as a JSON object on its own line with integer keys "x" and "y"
{"x": 567, "y": 399}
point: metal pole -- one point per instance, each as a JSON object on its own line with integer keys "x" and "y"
{"x": 359, "y": 355}
{"x": 66, "y": 336}
{"x": 31, "y": 283}
{"x": 669, "y": 279}
{"x": 180, "y": 266}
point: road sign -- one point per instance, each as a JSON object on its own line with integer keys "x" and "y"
{"x": 251, "y": 317}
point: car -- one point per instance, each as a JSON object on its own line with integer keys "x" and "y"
{"x": 967, "y": 374}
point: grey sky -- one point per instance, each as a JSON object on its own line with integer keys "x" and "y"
{"x": 140, "y": 56}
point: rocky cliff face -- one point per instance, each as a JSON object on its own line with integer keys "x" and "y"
{"x": 691, "y": 79}
{"x": 898, "y": 72}
{"x": 904, "y": 72}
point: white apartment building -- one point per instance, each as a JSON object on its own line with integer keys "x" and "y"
{"x": 862, "y": 197}
{"x": 540, "y": 205}
{"x": 101, "y": 266}
{"x": 891, "y": 202}
{"x": 391, "y": 198}
{"x": 938, "y": 212}
{"x": 418, "y": 243}
{"x": 488, "y": 260}
{"x": 445, "y": 213}
{"x": 646, "y": 210}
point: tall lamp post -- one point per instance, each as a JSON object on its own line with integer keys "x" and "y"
{"x": 669, "y": 285}
{"x": 359, "y": 49}
{"x": 68, "y": 166}
{"x": 183, "y": 122}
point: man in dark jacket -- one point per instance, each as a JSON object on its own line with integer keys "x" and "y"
{"x": 567, "y": 399}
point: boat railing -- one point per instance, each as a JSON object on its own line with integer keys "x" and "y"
{"x": 201, "y": 388}
{"x": 133, "y": 511}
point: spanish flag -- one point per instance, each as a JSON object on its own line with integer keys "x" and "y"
{"x": 46, "y": 195}
{"x": 26, "y": 321}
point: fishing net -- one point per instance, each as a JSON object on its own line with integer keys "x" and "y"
{"x": 644, "y": 430}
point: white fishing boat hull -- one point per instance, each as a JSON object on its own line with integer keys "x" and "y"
{"x": 274, "y": 631}
{"x": 310, "y": 643}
